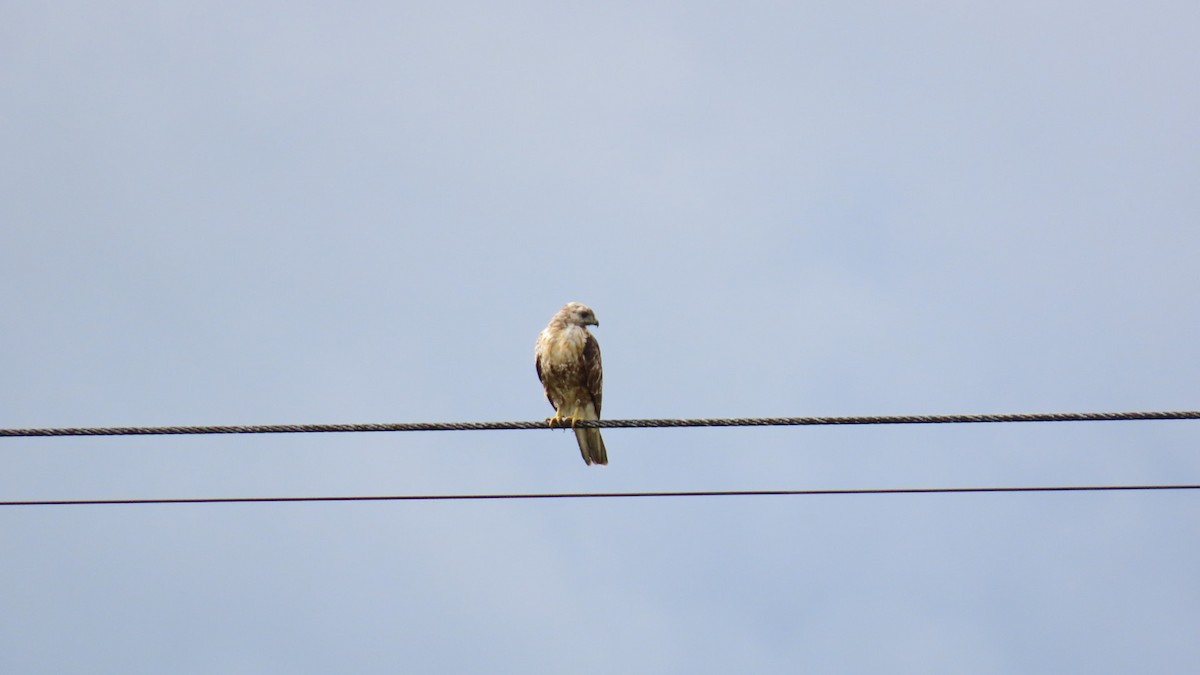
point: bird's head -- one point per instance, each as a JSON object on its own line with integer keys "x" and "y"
{"x": 579, "y": 314}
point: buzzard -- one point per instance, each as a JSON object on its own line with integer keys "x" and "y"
{"x": 568, "y": 364}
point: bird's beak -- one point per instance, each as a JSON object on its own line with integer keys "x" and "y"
{"x": 596, "y": 323}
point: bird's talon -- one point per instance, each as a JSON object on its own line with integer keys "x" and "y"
{"x": 561, "y": 421}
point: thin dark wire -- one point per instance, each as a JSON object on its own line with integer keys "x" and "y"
{"x": 603, "y": 495}
{"x": 609, "y": 424}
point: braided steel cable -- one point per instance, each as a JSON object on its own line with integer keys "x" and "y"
{"x": 990, "y": 418}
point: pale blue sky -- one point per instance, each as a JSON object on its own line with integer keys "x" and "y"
{"x": 223, "y": 213}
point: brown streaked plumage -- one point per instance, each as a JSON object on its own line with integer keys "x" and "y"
{"x": 567, "y": 357}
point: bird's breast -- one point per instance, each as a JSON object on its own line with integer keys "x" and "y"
{"x": 564, "y": 346}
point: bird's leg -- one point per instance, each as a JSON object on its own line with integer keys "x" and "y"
{"x": 559, "y": 418}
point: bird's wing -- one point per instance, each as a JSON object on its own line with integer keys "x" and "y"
{"x": 593, "y": 370}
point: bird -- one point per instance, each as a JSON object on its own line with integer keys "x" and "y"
{"x": 567, "y": 357}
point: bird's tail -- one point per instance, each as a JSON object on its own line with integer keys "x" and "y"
{"x": 591, "y": 445}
